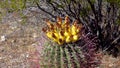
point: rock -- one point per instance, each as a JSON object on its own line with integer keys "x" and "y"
{"x": 3, "y": 38}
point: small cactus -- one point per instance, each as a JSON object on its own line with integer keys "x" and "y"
{"x": 73, "y": 54}
{"x": 81, "y": 54}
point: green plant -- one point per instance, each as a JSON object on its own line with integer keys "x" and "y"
{"x": 9, "y": 6}
{"x": 81, "y": 54}
{"x": 13, "y": 5}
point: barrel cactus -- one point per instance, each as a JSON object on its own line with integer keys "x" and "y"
{"x": 78, "y": 53}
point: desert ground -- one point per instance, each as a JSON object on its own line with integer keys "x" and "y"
{"x": 21, "y": 42}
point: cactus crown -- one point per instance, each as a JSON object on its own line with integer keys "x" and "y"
{"x": 63, "y": 32}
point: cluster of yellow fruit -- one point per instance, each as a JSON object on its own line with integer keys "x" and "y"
{"x": 63, "y": 32}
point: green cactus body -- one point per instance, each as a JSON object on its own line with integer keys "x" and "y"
{"x": 55, "y": 56}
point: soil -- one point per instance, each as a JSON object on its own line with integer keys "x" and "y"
{"x": 18, "y": 40}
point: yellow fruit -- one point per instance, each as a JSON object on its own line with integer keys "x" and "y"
{"x": 78, "y": 30}
{"x": 54, "y": 37}
{"x": 68, "y": 39}
{"x": 75, "y": 38}
{"x": 56, "y": 34}
{"x": 49, "y": 35}
{"x": 61, "y": 36}
{"x": 73, "y": 30}
{"x": 66, "y": 33}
